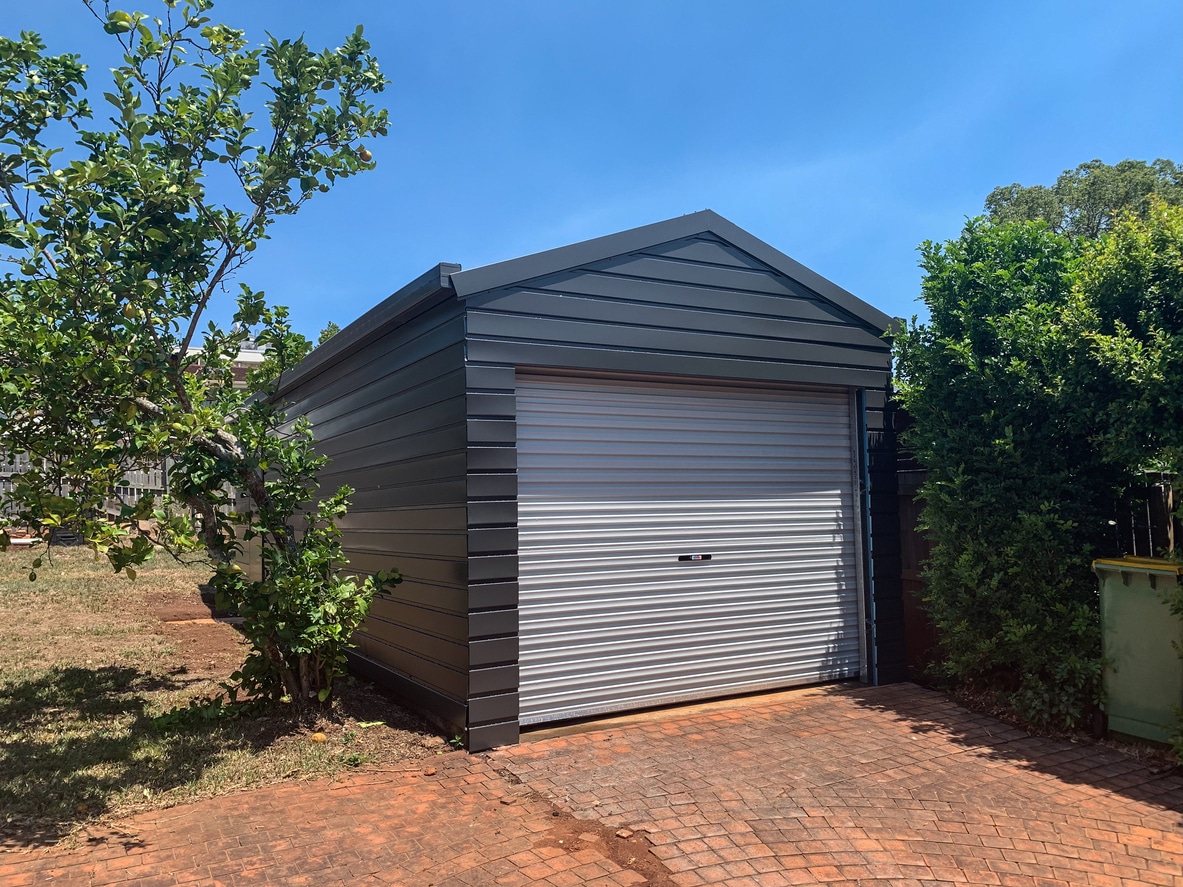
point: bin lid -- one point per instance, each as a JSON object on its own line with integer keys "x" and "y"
{"x": 1140, "y": 564}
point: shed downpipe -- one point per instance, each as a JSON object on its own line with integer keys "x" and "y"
{"x": 864, "y": 497}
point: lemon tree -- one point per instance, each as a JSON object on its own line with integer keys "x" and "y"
{"x": 120, "y": 228}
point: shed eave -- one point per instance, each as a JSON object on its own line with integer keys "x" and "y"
{"x": 434, "y": 282}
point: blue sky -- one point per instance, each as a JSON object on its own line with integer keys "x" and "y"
{"x": 842, "y": 133}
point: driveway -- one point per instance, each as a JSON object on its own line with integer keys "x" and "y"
{"x": 871, "y": 786}
{"x": 888, "y": 785}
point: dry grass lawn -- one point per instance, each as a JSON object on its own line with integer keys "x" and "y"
{"x": 88, "y": 659}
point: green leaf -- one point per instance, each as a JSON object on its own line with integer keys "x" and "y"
{"x": 118, "y": 22}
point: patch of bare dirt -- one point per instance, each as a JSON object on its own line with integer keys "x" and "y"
{"x": 205, "y": 647}
{"x": 628, "y": 849}
{"x": 368, "y": 725}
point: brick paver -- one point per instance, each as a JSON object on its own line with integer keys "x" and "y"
{"x": 841, "y": 786}
{"x": 455, "y": 821}
{"x": 892, "y": 785}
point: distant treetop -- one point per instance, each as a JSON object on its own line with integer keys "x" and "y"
{"x": 327, "y": 333}
{"x": 1086, "y": 201}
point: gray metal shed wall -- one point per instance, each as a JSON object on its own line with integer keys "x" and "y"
{"x": 694, "y": 307}
{"x": 492, "y": 556}
{"x": 391, "y": 416}
{"x": 415, "y": 403}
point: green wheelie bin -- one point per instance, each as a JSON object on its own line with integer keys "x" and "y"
{"x": 1142, "y": 641}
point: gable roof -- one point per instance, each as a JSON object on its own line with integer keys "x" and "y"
{"x": 488, "y": 277}
{"x": 446, "y": 280}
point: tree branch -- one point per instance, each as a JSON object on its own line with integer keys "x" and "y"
{"x": 216, "y": 280}
{"x": 23, "y": 215}
{"x": 221, "y": 444}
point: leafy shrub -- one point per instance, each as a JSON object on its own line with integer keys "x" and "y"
{"x": 1016, "y": 498}
{"x": 301, "y": 616}
{"x": 1049, "y": 377}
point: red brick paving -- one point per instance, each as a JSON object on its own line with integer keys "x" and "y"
{"x": 892, "y": 787}
{"x": 464, "y": 824}
{"x": 885, "y": 786}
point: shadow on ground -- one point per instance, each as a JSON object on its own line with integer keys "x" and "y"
{"x": 77, "y": 742}
{"x": 1081, "y": 762}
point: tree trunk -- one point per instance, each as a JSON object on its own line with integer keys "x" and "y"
{"x": 305, "y": 679}
{"x": 289, "y": 680}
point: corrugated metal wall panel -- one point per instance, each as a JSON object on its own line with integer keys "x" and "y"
{"x": 617, "y": 480}
{"x": 594, "y": 358}
{"x": 649, "y": 336}
{"x": 692, "y": 307}
{"x": 492, "y": 556}
{"x": 391, "y": 417}
{"x": 661, "y": 292}
{"x": 717, "y": 319}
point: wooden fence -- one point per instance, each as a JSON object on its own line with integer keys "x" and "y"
{"x": 1144, "y": 524}
{"x": 152, "y": 481}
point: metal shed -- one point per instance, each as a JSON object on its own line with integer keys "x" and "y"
{"x": 651, "y": 467}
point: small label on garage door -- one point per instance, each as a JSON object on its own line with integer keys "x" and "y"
{"x": 694, "y": 557}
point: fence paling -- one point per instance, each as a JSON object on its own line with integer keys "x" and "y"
{"x": 150, "y": 481}
{"x": 1145, "y": 525}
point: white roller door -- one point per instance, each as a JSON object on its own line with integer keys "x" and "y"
{"x": 680, "y": 542}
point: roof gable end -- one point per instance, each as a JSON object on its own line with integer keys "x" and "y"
{"x": 711, "y": 247}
